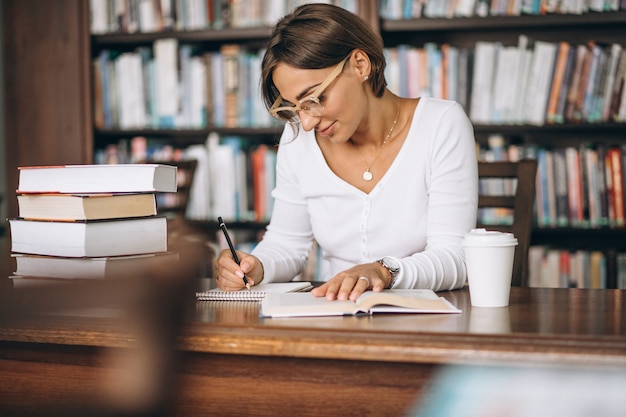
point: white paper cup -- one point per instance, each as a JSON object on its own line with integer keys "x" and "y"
{"x": 489, "y": 259}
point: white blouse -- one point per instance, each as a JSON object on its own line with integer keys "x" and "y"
{"x": 418, "y": 212}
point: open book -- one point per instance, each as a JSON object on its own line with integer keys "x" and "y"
{"x": 256, "y": 293}
{"x": 388, "y": 301}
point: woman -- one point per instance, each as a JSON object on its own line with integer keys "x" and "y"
{"x": 386, "y": 185}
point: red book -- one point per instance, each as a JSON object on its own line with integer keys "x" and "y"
{"x": 258, "y": 179}
{"x": 614, "y": 155}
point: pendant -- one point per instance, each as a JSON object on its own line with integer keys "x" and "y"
{"x": 367, "y": 175}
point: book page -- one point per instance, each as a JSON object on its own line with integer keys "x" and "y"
{"x": 405, "y": 301}
{"x": 304, "y": 305}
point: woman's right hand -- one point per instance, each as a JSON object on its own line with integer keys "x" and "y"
{"x": 229, "y": 276}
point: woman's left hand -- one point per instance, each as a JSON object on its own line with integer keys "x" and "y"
{"x": 351, "y": 283}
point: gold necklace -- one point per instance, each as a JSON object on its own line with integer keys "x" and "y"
{"x": 367, "y": 174}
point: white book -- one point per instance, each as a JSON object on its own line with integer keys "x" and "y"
{"x": 538, "y": 88}
{"x": 485, "y": 55}
{"x": 505, "y": 82}
{"x": 452, "y": 73}
{"x": 89, "y": 239}
{"x": 198, "y": 94}
{"x": 107, "y": 178}
{"x": 224, "y": 175}
{"x": 147, "y": 16}
{"x": 198, "y": 206}
{"x": 219, "y": 91}
{"x": 166, "y": 72}
{"x": 183, "y": 117}
{"x": 98, "y": 14}
{"x": 130, "y": 91}
{"x": 525, "y": 61}
{"x": 465, "y": 8}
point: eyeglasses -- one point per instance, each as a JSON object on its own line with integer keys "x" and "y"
{"x": 310, "y": 105}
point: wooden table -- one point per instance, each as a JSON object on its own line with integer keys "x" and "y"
{"x": 235, "y": 364}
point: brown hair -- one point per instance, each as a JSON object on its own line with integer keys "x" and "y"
{"x": 316, "y": 36}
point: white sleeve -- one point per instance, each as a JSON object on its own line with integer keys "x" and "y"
{"x": 452, "y": 206}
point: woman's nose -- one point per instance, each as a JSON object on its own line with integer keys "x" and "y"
{"x": 307, "y": 121}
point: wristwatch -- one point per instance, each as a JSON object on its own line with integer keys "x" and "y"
{"x": 392, "y": 266}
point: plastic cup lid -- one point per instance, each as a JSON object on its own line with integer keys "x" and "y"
{"x": 484, "y": 237}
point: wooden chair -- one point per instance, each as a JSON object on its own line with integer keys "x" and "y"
{"x": 519, "y": 202}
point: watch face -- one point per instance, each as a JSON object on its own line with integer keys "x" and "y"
{"x": 391, "y": 264}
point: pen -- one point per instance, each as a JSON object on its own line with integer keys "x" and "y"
{"x": 232, "y": 248}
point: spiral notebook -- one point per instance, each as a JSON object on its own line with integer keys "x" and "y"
{"x": 256, "y": 293}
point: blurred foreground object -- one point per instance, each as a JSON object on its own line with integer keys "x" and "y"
{"x": 149, "y": 304}
{"x": 481, "y": 391}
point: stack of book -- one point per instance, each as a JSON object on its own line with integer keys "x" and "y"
{"x": 88, "y": 221}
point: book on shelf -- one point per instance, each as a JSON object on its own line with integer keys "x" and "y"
{"x": 40, "y": 266}
{"x": 485, "y": 55}
{"x": 128, "y": 236}
{"x": 256, "y": 293}
{"x": 544, "y": 55}
{"x": 166, "y": 67}
{"x": 388, "y": 301}
{"x": 574, "y": 187}
{"x": 614, "y": 174}
{"x": 612, "y": 79}
{"x": 560, "y": 187}
{"x": 551, "y": 267}
{"x": 568, "y": 76}
{"x": 230, "y": 61}
{"x": 70, "y": 207}
{"x": 130, "y": 90}
{"x": 562, "y": 61}
{"x": 109, "y": 178}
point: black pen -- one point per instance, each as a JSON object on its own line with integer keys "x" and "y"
{"x": 232, "y": 248}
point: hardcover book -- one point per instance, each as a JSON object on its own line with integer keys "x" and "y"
{"x": 106, "y": 178}
{"x": 89, "y": 239}
{"x": 39, "y": 266}
{"x": 69, "y": 207}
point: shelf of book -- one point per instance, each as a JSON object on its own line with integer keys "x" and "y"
{"x": 206, "y": 36}
{"x": 576, "y": 237}
{"x": 185, "y": 137}
{"x": 442, "y": 39}
{"x": 527, "y": 22}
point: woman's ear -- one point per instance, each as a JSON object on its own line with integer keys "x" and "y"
{"x": 361, "y": 63}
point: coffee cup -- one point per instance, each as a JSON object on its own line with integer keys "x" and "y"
{"x": 489, "y": 260}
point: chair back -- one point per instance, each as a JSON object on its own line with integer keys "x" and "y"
{"x": 511, "y": 198}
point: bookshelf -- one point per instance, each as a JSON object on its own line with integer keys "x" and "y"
{"x": 465, "y": 32}
{"x": 205, "y": 42}
{"x": 63, "y": 131}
